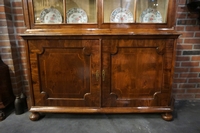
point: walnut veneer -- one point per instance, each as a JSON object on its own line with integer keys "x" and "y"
{"x": 105, "y": 68}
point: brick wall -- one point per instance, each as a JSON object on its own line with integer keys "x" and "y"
{"x": 9, "y": 49}
{"x": 187, "y": 71}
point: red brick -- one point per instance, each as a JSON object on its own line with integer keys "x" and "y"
{"x": 186, "y": 22}
{"x": 16, "y": 4}
{"x": 188, "y": 75}
{"x": 194, "y": 69}
{"x": 180, "y": 40}
{"x": 182, "y": 58}
{"x": 4, "y": 37}
{"x": 180, "y": 28}
{"x": 5, "y": 50}
{"x": 181, "y": 69}
{"x": 178, "y": 90}
{"x": 177, "y": 64}
{"x": 196, "y": 58}
{"x": 194, "y": 80}
{"x": 2, "y": 16}
{"x": 176, "y": 75}
{"x": 187, "y": 34}
{"x": 184, "y": 46}
{"x": 19, "y": 24}
{"x": 174, "y": 86}
{"x": 181, "y": 15}
{"x": 190, "y": 64}
{"x": 192, "y": 28}
{"x": 180, "y": 80}
{"x": 17, "y": 11}
{"x": 2, "y": 9}
{"x": 193, "y": 15}
{"x": 4, "y": 30}
{"x": 19, "y": 17}
{"x": 197, "y": 95}
{"x": 5, "y": 2}
{"x": 197, "y": 34}
{"x": 192, "y": 40}
{"x": 187, "y": 85}
{"x": 7, "y": 9}
{"x": 21, "y": 30}
{"x": 194, "y": 90}
{"x": 178, "y": 52}
{"x": 5, "y": 43}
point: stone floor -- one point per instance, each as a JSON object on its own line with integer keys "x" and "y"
{"x": 186, "y": 120}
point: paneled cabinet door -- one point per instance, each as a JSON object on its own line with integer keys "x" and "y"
{"x": 137, "y": 72}
{"x": 65, "y": 72}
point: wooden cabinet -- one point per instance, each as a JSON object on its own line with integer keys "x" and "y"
{"x": 101, "y": 65}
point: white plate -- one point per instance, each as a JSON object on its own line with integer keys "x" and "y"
{"x": 121, "y": 15}
{"x": 50, "y": 15}
{"x": 76, "y": 15}
{"x": 151, "y": 15}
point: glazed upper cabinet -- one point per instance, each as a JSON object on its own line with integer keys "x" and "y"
{"x": 100, "y": 56}
{"x": 100, "y": 13}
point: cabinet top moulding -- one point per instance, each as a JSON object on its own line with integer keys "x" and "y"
{"x": 99, "y": 18}
{"x": 99, "y": 32}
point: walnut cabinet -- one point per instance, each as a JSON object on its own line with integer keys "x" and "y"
{"x": 109, "y": 63}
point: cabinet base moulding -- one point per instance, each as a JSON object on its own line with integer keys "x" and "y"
{"x": 166, "y": 111}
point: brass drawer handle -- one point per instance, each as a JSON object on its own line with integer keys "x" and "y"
{"x": 103, "y": 74}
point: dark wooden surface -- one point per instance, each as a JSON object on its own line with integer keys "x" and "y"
{"x": 101, "y": 68}
{"x": 6, "y": 94}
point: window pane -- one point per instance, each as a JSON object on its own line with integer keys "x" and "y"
{"x": 152, "y": 11}
{"x": 48, "y": 11}
{"x": 81, "y": 11}
{"x": 118, "y": 11}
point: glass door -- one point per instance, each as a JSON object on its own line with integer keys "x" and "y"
{"x": 65, "y": 11}
{"x": 48, "y": 11}
{"x": 119, "y": 11}
{"x": 135, "y": 11}
{"x": 81, "y": 11}
{"x": 151, "y": 11}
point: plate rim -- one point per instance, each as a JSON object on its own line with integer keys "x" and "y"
{"x": 145, "y": 12}
{"x": 71, "y": 14}
{"x": 121, "y": 12}
{"x": 47, "y": 10}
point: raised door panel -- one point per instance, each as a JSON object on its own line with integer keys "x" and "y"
{"x": 63, "y": 72}
{"x": 138, "y": 73}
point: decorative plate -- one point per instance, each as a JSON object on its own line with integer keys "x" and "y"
{"x": 76, "y": 15}
{"x": 151, "y": 15}
{"x": 50, "y": 15}
{"x": 121, "y": 15}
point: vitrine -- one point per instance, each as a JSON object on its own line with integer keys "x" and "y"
{"x": 100, "y": 56}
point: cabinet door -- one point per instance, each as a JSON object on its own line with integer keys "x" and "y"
{"x": 63, "y": 72}
{"x": 137, "y": 72}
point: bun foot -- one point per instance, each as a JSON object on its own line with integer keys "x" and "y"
{"x": 34, "y": 116}
{"x": 167, "y": 116}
